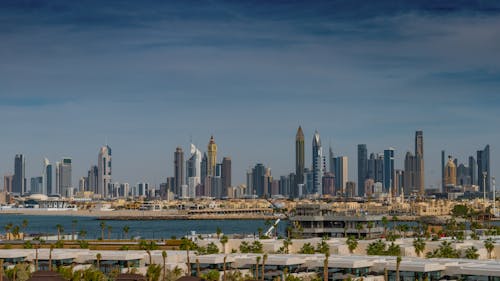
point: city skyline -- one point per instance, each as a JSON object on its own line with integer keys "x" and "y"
{"x": 149, "y": 76}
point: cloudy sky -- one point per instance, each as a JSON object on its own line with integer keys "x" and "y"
{"x": 148, "y": 76}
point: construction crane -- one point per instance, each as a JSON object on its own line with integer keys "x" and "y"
{"x": 270, "y": 230}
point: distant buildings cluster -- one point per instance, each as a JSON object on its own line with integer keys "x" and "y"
{"x": 203, "y": 175}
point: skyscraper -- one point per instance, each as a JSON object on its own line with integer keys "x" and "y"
{"x": 8, "y": 182}
{"x": 472, "y": 170}
{"x": 341, "y": 174}
{"x": 388, "y": 170}
{"x": 299, "y": 160}
{"x": 409, "y": 174}
{"x": 193, "y": 170}
{"x": 443, "y": 167}
{"x": 450, "y": 173}
{"x": 47, "y": 177}
{"x": 362, "y": 168}
{"x": 104, "y": 171}
{"x": 226, "y": 175}
{"x": 93, "y": 178}
{"x": 19, "y": 183}
{"x": 483, "y": 169}
{"x": 64, "y": 186}
{"x": 212, "y": 156}
{"x": 317, "y": 164}
{"x": 178, "y": 170}
{"x": 419, "y": 162}
{"x": 258, "y": 174}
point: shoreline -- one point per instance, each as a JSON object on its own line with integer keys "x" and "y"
{"x": 136, "y": 215}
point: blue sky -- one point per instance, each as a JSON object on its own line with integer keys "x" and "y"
{"x": 151, "y": 75}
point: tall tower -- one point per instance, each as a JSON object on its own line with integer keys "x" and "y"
{"x": 299, "y": 160}
{"x": 388, "y": 169}
{"x": 317, "y": 164}
{"x": 362, "y": 168}
{"x": 419, "y": 162}
{"x": 47, "y": 177}
{"x": 212, "y": 157}
{"x": 226, "y": 174}
{"x": 443, "y": 167}
{"x": 178, "y": 170}
{"x": 63, "y": 174}
{"x": 19, "y": 182}
{"x": 104, "y": 171}
{"x": 483, "y": 169}
{"x": 450, "y": 173}
{"x": 193, "y": 171}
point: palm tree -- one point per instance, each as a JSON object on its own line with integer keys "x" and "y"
{"x": 223, "y": 241}
{"x": 109, "y": 231}
{"x": 82, "y": 233}
{"x": 489, "y": 245}
{"x": 286, "y": 244}
{"x": 164, "y": 256}
{"x": 325, "y": 266}
{"x": 126, "y": 229}
{"x": 385, "y": 223}
{"x": 257, "y": 261}
{"x": 198, "y": 267}
{"x": 352, "y": 244}
{"x": 264, "y": 259}
{"x": 359, "y": 227}
{"x": 398, "y": 264}
{"x": 8, "y": 227}
{"x": 218, "y": 232}
{"x": 224, "y": 268}
{"x": 24, "y": 225}
{"x": 419, "y": 245}
{"x": 1, "y": 269}
{"x": 60, "y": 229}
{"x": 103, "y": 226}
{"x": 15, "y": 232}
{"x": 50, "y": 257}
{"x": 73, "y": 225}
{"x": 259, "y": 230}
{"x": 369, "y": 225}
{"x": 98, "y": 260}
{"x": 471, "y": 253}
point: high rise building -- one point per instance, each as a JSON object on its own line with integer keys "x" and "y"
{"x": 47, "y": 177}
{"x": 362, "y": 168}
{"x": 483, "y": 169}
{"x": 212, "y": 157}
{"x": 450, "y": 173}
{"x": 93, "y": 178}
{"x": 226, "y": 175}
{"x": 329, "y": 184}
{"x": 204, "y": 167}
{"x": 317, "y": 164}
{"x": 388, "y": 170}
{"x": 419, "y": 162}
{"x": 409, "y": 174}
{"x": 178, "y": 169}
{"x": 104, "y": 171}
{"x": 19, "y": 182}
{"x": 299, "y": 160}
{"x": 193, "y": 164}
{"x": 472, "y": 170}
{"x": 443, "y": 168}
{"x": 36, "y": 185}
{"x": 341, "y": 174}
{"x": 250, "y": 185}
{"x": 8, "y": 182}
{"x": 376, "y": 167}
{"x": 64, "y": 186}
{"x": 258, "y": 174}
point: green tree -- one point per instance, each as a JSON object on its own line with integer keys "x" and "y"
{"x": 164, "y": 257}
{"x": 445, "y": 250}
{"x": 153, "y": 273}
{"x": 125, "y": 229}
{"x": 82, "y": 233}
{"x": 148, "y": 247}
{"x": 376, "y": 248}
{"x": 359, "y": 227}
{"x": 218, "y": 231}
{"x": 15, "y": 232}
{"x": 307, "y": 248}
{"x": 489, "y": 246}
{"x": 385, "y": 223}
{"x": 98, "y": 258}
{"x": 322, "y": 247}
{"x": 223, "y": 240}
{"x": 369, "y": 226}
{"x": 398, "y": 265}
{"x": 419, "y": 245}
{"x": 212, "y": 248}
{"x": 471, "y": 253}
{"x": 7, "y": 228}
{"x": 352, "y": 244}
{"x": 212, "y": 275}
{"x": 24, "y": 225}
{"x": 60, "y": 229}
{"x": 102, "y": 225}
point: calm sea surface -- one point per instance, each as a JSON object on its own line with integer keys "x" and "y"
{"x": 146, "y": 229}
